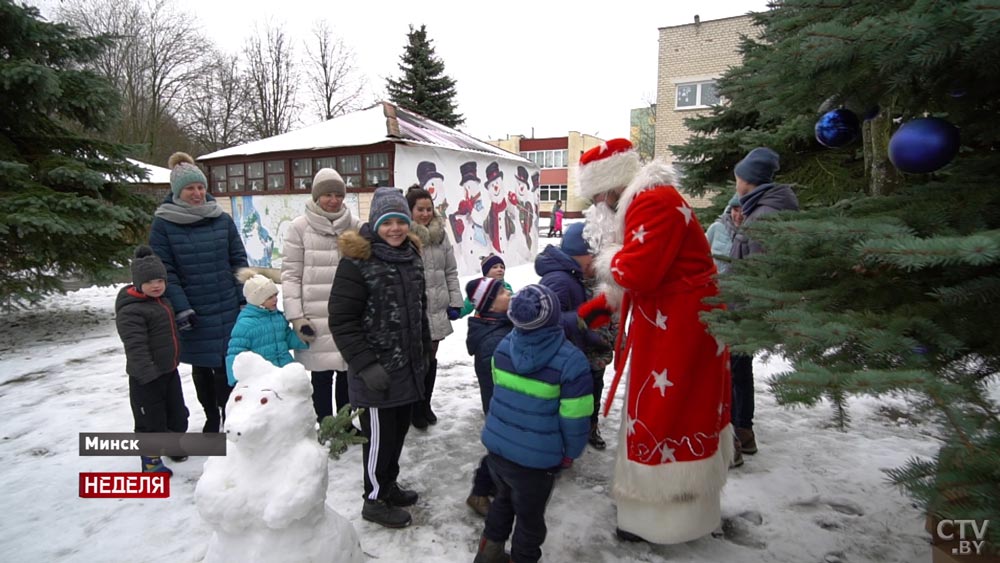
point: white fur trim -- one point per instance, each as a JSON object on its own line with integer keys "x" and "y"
{"x": 602, "y": 267}
{"x": 607, "y": 173}
{"x": 656, "y": 173}
{"x": 670, "y": 523}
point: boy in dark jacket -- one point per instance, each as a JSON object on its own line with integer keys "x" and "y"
{"x": 539, "y": 415}
{"x": 490, "y": 298}
{"x": 146, "y": 326}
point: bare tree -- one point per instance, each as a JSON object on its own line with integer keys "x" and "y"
{"x": 272, "y": 81}
{"x": 217, "y": 109}
{"x": 332, "y": 78}
{"x": 158, "y": 55}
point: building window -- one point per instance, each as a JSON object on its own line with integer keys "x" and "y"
{"x": 377, "y": 169}
{"x": 302, "y": 174}
{"x": 552, "y": 192}
{"x": 236, "y": 178}
{"x": 548, "y": 159}
{"x": 255, "y": 176}
{"x": 218, "y": 179}
{"x": 275, "y": 174}
{"x": 697, "y": 95}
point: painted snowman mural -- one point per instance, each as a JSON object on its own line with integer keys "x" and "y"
{"x": 498, "y": 223}
{"x": 266, "y": 498}
{"x": 467, "y": 222}
{"x": 522, "y": 210}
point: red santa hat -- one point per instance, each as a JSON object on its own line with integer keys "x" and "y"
{"x": 610, "y": 165}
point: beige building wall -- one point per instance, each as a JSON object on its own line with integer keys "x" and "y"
{"x": 694, "y": 52}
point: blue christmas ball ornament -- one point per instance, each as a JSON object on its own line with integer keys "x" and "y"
{"x": 837, "y": 128}
{"x": 923, "y": 145}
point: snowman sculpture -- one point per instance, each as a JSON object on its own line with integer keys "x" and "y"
{"x": 266, "y": 498}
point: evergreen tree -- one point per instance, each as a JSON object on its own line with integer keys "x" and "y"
{"x": 887, "y": 282}
{"x": 424, "y": 88}
{"x": 63, "y": 207}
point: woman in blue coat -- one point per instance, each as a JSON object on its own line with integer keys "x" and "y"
{"x": 202, "y": 250}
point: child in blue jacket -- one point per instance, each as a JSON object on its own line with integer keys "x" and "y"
{"x": 539, "y": 414}
{"x": 261, "y": 328}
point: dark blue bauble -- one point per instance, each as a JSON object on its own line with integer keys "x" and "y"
{"x": 923, "y": 145}
{"x": 837, "y": 128}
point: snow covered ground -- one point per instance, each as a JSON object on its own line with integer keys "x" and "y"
{"x": 812, "y": 493}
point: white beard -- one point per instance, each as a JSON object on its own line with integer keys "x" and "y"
{"x": 602, "y": 228}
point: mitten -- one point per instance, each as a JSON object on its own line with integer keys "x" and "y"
{"x": 304, "y": 328}
{"x": 186, "y": 320}
{"x": 465, "y": 207}
{"x": 596, "y": 312}
{"x": 454, "y": 313}
{"x": 375, "y": 377}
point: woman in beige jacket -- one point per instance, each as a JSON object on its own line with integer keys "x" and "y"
{"x": 444, "y": 297}
{"x": 309, "y": 263}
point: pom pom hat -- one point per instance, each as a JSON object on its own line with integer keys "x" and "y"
{"x": 490, "y": 261}
{"x": 387, "y": 203}
{"x": 610, "y": 165}
{"x": 183, "y": 172}
{"x": 481, "y": 293}
{"x": 327, "y": 181}
{"x": 534, "y": 307}
{"x": 258, "y": 289}
{"x": 146, "y": 267}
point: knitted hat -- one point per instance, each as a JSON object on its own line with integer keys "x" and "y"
{"x": 758, "y": 166}
{"x": 534, "y": 307}
{"x": 258, "y": 289}
{"x": 327, "y": 181}
{"x": 610, "y": 165}
{"x": 573, "y": 243}
{"x": 146, "y": 267}
{"x": 735, "y": 202}
{"x": 481, "y": 293}
{"x": 387, "y": 203}
{"x": 490, "y": 261}
{"x": 183, "y": 172}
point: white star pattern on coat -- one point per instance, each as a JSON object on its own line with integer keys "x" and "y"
{"x": 661, "y": 320}
{"x": 662, "y": 382}
{"x": 686, "y": 212}
{"x": 640, "y": 234}
{"x": 667, "y": 454}
{"x": 630, "y": 423}
{"x": 615, "y": 270}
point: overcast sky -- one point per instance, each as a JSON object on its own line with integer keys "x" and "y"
{"x": 521, "y": 66}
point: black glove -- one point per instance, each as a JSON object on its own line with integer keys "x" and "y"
{"x": 375, "y": 377}
{"x": 186, "y": 320}
{"x": 454, "y": 313}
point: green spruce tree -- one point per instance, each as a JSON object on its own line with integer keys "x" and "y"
{"x": 64, "y": 209}
{"x": 887, "y": 282}
{"x": 424, "y": 88}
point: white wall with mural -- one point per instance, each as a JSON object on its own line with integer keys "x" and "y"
{"x": 490, "y": 204}
{"x": 263, "y": 220}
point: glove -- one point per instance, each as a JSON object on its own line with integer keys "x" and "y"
{"x": 596, "y": 312}
{"x": 304, "y": 328}
{"x": 186, "y": 320}
{"x": 375, "y": 377}
{"x": 454, "y": 313}
{"x": 464, "y": 207}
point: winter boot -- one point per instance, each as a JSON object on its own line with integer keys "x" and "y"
{"x": 628, "y": 536}
{"x": 595, "y": 439}
{"x": 398, "y": 496}
{"x": 384, "y": 514}
{"x": 429, "y": 387}
{"x": 737, "y": 453}
{"x": 419, "y": 415}
{"x": 178, "y": 458}
{"x": 747, "y": 440}
{"x": 154, "y": 464}
{"x": 480, "y": 504}
{"x": 491, "y": 552}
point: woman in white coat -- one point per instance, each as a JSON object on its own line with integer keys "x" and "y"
{"x": 444, "y": 297}
{"x": 309, "y": 263}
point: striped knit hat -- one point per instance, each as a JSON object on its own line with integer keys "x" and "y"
{"x": 387, "y": 203}
{"x": 481, "y": 293}
{"x": 534, "y": 307}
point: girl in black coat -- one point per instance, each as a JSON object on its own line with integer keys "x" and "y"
{"x": 378, "y": 320}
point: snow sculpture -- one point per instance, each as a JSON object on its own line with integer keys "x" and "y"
{"x": 266, "y": 499}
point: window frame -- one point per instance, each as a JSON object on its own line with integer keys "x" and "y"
{"x": 698, "y": 85}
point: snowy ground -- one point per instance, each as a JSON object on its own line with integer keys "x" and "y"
{"x": 812, "y": 494}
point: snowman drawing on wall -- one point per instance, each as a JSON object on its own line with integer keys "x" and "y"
{"x": 433, "y": 181}
{"x": 497, "y": 222}
{"x": 525, "y": 206}
{"x": 466, "y": 222}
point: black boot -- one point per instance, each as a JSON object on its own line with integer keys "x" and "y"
{"x": 429, "y": 386}
{"x": 418, "y": 416}
{"x": 398, "y": 496}
{"x": 595, "y": 440}
{"x": 382, "y": 513}
{"x": 628, "y": 536}
{"x": 491, "y": 552}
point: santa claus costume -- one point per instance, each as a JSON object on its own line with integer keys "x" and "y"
{"x": 676, "y": 442}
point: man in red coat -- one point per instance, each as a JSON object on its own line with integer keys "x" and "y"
{"x": 676, "y": 441}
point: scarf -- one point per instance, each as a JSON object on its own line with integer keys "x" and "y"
{"x": 750, "y": 201}
{"x": 386, "y": 252}
{"x": 181, "y": 212}
{"x": 315, "y": 208}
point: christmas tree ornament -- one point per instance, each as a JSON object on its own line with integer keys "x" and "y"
{"x": 828, "y": 104}
{"x": 923, "y": 145}
{"x": 837, "y": 128}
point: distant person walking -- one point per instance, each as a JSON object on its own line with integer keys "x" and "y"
{"x": 202, "y": 251}
{"x": 555, "y": 226}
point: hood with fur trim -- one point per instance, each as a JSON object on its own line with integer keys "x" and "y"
{"x": 431, "y": 235}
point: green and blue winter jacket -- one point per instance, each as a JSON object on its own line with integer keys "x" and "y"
{"x": 263, "y": 332}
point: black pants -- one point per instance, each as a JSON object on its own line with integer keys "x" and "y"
{"x": 158, "y": 406}
{"x": 741, "y": 366}
{"x": 598, "y": 377}
{"x": 212, "y": 387}
{"x": 386, "y": 430}
{"x": 522, "y": 492}
{"x": 482, "y": 481}
{"x": 329, "y": 386}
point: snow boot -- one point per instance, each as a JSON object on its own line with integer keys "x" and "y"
{"x": 595, "y": 440}
{"x": 178, "y": 458}
{"x": 399, "y": 496}
{"x": 628, "y": 536}
{"x": 748, "y": 441}
{"x": 419, "y": 416}
{"x": 480, "y": 504}
{"x": 432, "y": 418}
{"x": 384, "y": 514}
{"x": 491, "y": 552}
{"x": 737, "y": 454}
{"x": 154, "y": 464}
